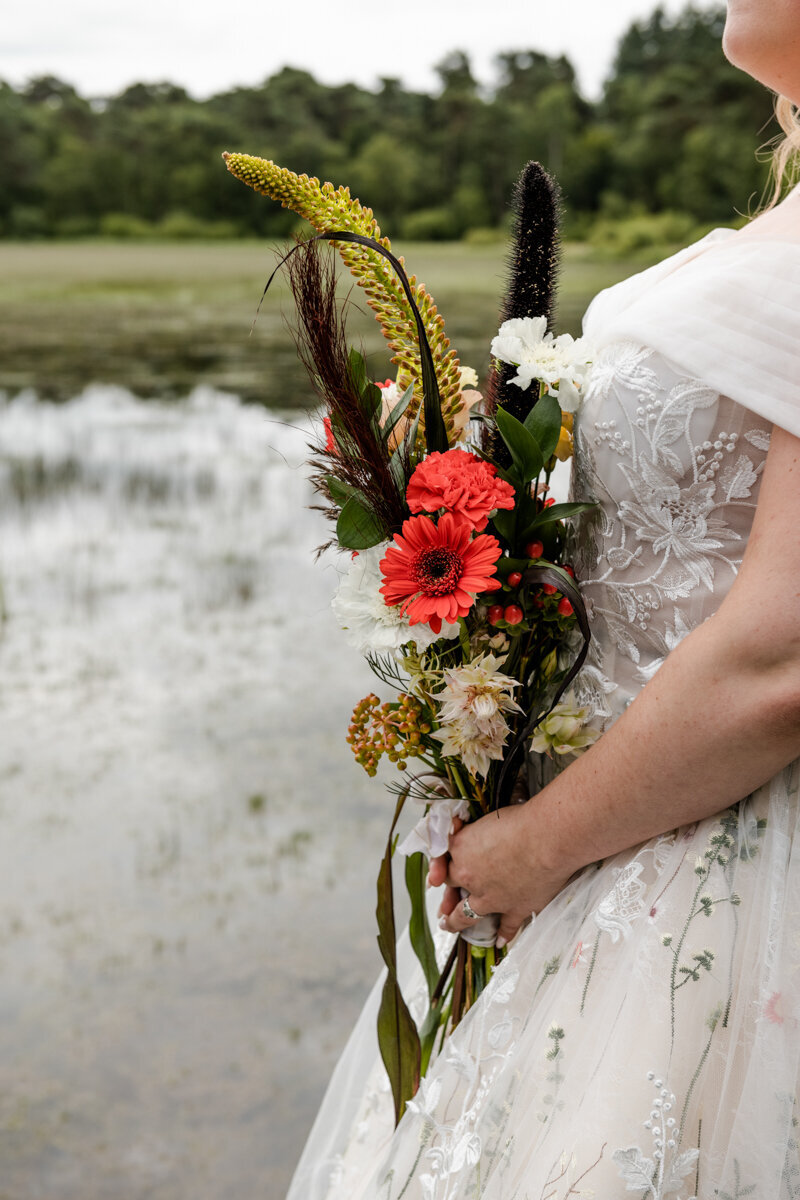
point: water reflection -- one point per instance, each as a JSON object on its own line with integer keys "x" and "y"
{"x": 176, "y": 801}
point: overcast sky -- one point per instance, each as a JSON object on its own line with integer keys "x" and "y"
{"x": 100, "y": 46}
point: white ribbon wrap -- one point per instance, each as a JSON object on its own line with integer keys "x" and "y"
{"x": 431, "y": 835}
{"x": 483, "y": 932}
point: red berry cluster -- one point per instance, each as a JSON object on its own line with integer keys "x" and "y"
{"x": 564, "y": 606}
{"x": 393, "y": 729}
{"x": 512, "y": 614}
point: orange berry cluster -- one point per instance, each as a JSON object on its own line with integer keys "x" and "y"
{"x": 394, "y": 729}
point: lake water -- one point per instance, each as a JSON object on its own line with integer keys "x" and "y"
{"x": 188, "y": 850}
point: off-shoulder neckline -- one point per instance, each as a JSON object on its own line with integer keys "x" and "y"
{"x": 713, "y": 252}
{"x": 724, "y": 238}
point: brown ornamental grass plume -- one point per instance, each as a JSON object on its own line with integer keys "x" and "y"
{"x": 360, "y": 458}
{"x": 328, "y": 208}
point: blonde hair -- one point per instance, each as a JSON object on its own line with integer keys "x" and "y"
{"x": 786, "y": 155}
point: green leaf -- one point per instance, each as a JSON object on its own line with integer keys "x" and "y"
{"x": 525, "y": 509}
{"x": 397, "y": 467}
{"x": 357, "y": 370}
{"x": 558, "y": 577}
{"x": 504, "y": 523}
{"x": 399, "y": 1046}
{"x": 371, "y": 401}
{"x": 505, "y": 565}
{"x": 435, "y": 428}
{"x": 340, "y": 491}
{"x": 357, "y": 527}
{"x": 418, "y": 928}
{"x": 410, "y": 439}
{"x": 427, "y": 1034}
{"x": 397, "y": 412}
{"x": 341, "y": 434}
{"x": 398, "y": 1039}
{"x": 556, "y": 512}
{"x": 543, "y": 422}
{"x": 560, "y": 512}
{"x": 523, "y": 447}
{"x": 387, "y": 937}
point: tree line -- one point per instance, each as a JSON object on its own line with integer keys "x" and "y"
{"x": 675, "y": 129}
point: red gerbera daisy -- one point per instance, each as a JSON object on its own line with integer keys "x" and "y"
{"x": 461, "y": 483}
{"x": 435, "y": 571}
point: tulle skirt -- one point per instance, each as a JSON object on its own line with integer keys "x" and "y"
{"x": 640, "y": 1038}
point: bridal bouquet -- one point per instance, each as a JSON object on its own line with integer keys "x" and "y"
{"x": 459, "y": 590}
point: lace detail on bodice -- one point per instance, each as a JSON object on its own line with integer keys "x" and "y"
{"x": 675, "y": 470}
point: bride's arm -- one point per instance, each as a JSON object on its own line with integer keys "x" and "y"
{"x": 720, "y": 717}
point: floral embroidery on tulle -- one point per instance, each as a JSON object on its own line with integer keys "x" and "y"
{"x": 773, "y": 1009}
{"x": 676, "y": 489}
{"x": 555, "y": 1075}
{"x": 663, "y": 1172}
{"x": 623, "y": 904}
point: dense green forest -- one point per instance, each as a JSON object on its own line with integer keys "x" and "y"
{"x": 675, "y": 129}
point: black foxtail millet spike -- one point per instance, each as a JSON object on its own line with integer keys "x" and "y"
{"x": 533, "y": 268}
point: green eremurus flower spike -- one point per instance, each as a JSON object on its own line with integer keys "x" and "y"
{"x": 327, "y": 208}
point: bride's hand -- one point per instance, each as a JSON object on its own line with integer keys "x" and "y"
{"x": 502, "y": 861}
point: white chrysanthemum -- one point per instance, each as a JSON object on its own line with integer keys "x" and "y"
{"x": 473, "y": 704}
{"x": 562, "y": 362}
{"x": 565, "y": 730}
{"x": 371, "y": 624}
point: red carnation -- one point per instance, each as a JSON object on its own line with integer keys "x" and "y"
{"x": 434, "y": 571}
{"x": 459, "y": 483}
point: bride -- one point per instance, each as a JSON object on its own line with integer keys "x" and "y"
{"x": 643, "y": 1034}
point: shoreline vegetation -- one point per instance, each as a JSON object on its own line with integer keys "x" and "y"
{"x": 162, "y": 318}
{"x": 665, "y": 149}
{"x": 129, "y": 256}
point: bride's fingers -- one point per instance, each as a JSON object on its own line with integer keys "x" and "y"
{"x": 450, "y": 899}
{"x": 510, "y": 925}
{"x": 437, "y": 871}
{"x": 509, "y": 928}
{"x": 456, "y": 920}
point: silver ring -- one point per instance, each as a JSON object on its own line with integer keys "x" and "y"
{"x": 469, "y": 911}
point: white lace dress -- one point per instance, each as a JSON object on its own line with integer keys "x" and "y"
{"x": 642, "y": 1036}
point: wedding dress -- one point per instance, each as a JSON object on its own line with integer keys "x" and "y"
{"x": 641, "y": 1037}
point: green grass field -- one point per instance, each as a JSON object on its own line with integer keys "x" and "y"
{"x": 160, "y": 318}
